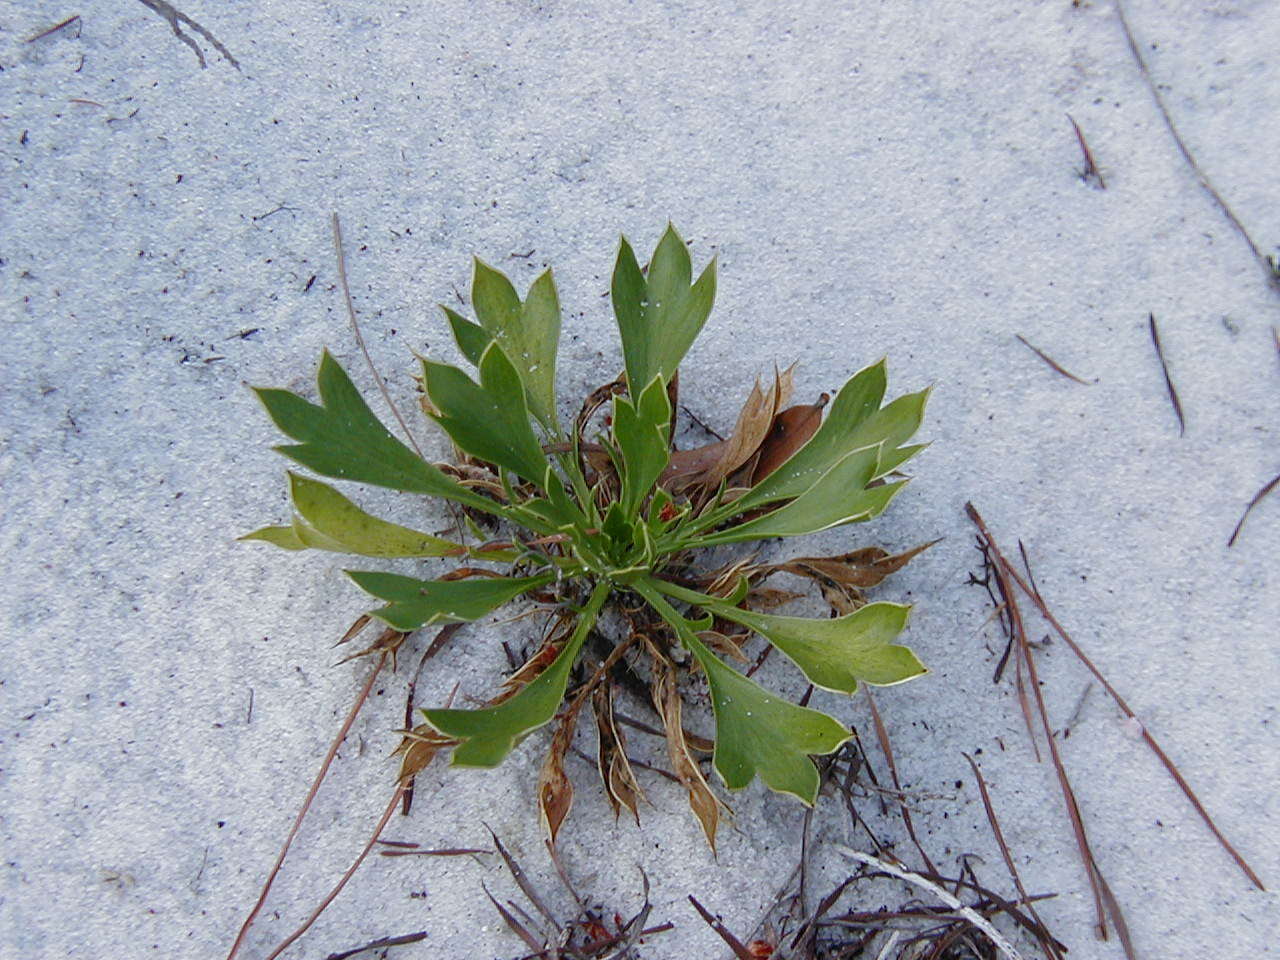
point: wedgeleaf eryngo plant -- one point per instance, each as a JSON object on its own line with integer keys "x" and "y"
{"x": 585, "y": 518}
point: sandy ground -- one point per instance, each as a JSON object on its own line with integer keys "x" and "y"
{"x": 887, "y": 178}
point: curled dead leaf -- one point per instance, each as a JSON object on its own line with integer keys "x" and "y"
{"x": 418, "y": 747}
{"x": 861, "y": 568}
{"x": 620, "y": 785}
{"x": 666, "y": 698}
{"x": 725, "y": 645}
{"x": 792, "y": 428}
{"x": 555, "y": 791}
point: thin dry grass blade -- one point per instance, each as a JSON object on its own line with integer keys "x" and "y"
{"x": 882, "y": 735}
{"x": 1053, "y": 364}
{"x": 739, "y": 949}
{"x": 361, "y": 697}
{"x": 522, "y": 881}
{"x": 1146, "y": 734}
{"x": 332, "y": 895}
{"x": 1168, "y": 380}
{"x": 1050, "y": 948}
{"x": 1104, "y": 901}
{"x": 1257, "y": 499}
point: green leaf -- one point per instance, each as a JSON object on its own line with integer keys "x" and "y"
{"x": 342, "y": 438}
{"x": 283, "y": 537}
{"x": 640, "y": 429}
{"x": 833, "y": 653}
{"x": 529, "y": 332}
{"x": 470, "y": 337}
{"x": 490, "y": 733}
{"x": 757, "y": 732}
{"x": 856, "y": 420}
{"x": 839, "y": 496}
{"x": 414, "y": 603}
{"x": 489, "y": 420}
{"x": 348, "y": 529}
{"x": 659, "y": 316}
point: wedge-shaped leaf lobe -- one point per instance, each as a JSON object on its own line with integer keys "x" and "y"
{"x": 413, "y": 603}
{"x": 488, "y": 734}
{"x": 839, "y": 496}
{"x": 341, "y": 438}
{"x": 659, "y": 315}
{"x": 343, "y": 527}
{"x": 757, "y": 732}
{"x": 489, "y": 420}
{"x": 835, "y": 654}
{"x": 528, "y": 331}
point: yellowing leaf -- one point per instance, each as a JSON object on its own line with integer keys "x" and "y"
{"x": 345, "y": 528}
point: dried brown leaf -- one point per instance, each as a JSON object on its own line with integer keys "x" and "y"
{"x": 418, "y": 748}
{"x": 724, "y": 644}
{"x": 769, "y": 598}
{"x": 790, "y": 431}
{"x": 860, "y": 568}
{"x": 843, "y": 600}
{"x": 620, "y": 785}
{"x": 754, "y": 423}
{"x": 389, "y": 641}
{"x": 666, "y": 698}
{"x": 555, "y": 791}
{"x": 688, "y": 467}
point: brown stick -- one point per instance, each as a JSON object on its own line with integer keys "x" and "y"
{"x": 883, "y": 736}
{"x": 1047, "y": 943}
{"x": 1096, "y": 881}
{"x": 1146, "y": 734}
{"x": 306, "y": 803}
{"x": 1257, "y": 498}
{"x": 1049, "y": 360}
{"x": 332, "y": 895}
{"x": 1168, "y": 380}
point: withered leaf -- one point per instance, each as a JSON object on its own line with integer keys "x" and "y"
{"x": 754, "y": 423}
{"x": 666, "y": 698}
{"x": 843, "y": 600}
{"x": 418, "y": 748}
{"x": 555, "y": 791}
{"x": 791, "y": 430}
{"x": 769, "y": 598}
{"x": 620, "y": 785}
{"x": 724, "y": 645}
{"x": 861, "y": 568}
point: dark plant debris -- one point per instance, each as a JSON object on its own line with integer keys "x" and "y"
{"x": 999, "y": 568}
{"x": 1168, "y": 381}
{"x": 842, "y": 924}
{"x": 1257, "y": 498}
{"x": 380, "y": 944}
{"x": 74, "y": 18}
{"x": 1089, "y": 174}
{"x": 591, "y": 933}
{"x": 177, "y": 19}
{"x": 1267, "y": 264}
{"x": 1053, "y": 364}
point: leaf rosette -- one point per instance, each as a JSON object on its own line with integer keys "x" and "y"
{"x": 609, "y": 514}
